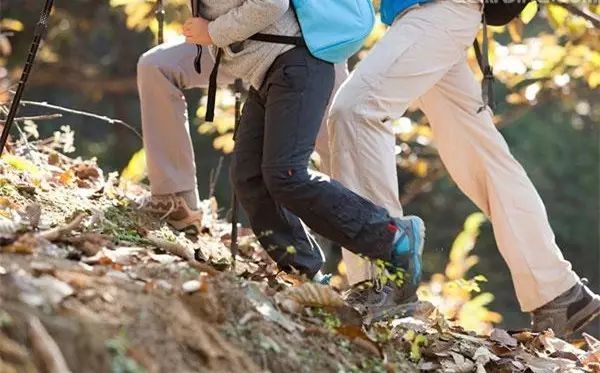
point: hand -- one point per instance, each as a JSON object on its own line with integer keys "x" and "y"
{"x": 196, "y": 31}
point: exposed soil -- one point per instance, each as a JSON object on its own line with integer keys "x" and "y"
{"x": 118, "y": 291}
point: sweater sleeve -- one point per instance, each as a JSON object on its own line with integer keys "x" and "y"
{"x": 241, "y": 22}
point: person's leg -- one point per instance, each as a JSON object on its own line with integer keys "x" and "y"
{"x": 478, "y": 159}
{"x": 322, "y": 145}
{"x": 296, "y": 93}
{"x": 413, "y": 55}
{"x": 280, "y": 233}
{"x": 163, "y": 73}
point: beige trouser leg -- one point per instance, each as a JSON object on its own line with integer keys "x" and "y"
{"x": 422, "y": 59}
{"x": 163, "y": 73}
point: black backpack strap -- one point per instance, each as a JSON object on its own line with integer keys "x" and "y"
{"x": 198, "y": 59}
{"x": 279, "y": 39}
{"x": 487, "y": 85}
{"x": 212, "y": 88}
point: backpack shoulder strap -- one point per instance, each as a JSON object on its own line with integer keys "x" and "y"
{"x": 279, "y": 39}
{"x": 482, "y": 55}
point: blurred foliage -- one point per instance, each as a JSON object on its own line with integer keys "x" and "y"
{"x": 456, "y": 296}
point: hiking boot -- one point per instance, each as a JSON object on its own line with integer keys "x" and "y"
{"x": 175, "y": 210}
{"x": 568, "y": 313}
{"x": 386, "y": 296}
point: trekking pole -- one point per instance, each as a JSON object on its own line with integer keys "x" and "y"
{"x": 239, "y": 86}
{"x": 40, "y": 31}
{"x": 160, "y": 17}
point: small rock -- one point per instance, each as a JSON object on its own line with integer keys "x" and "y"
{"x": 45, "y": 290}
{"x": 164, "y": 285}
{"x": 108, "y": 298}
{"x": 88, "y": 295}
{"x": 41, "y": 268}
{"x": 191, "y": 286}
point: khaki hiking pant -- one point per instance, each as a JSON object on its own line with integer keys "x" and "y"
{"x": 164, "y": 72}
{"x": 422, "y": 60}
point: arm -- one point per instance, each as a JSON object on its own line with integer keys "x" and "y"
{"x": 246, "y": 20}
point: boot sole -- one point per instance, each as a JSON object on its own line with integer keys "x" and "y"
{"x": 415, "y": 220}
{"x": 582, "y": 318}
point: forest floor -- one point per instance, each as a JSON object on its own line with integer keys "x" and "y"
{"x": 90, "y": 284}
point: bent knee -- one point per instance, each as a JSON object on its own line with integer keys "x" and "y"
{"x": 154, "y": 62}
{"x": 343, "y": 108}
{"x": 284, "y": 183}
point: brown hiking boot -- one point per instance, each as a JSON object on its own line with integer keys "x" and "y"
{"x": 568, "y": 313}
{"x": 175, "y": 211}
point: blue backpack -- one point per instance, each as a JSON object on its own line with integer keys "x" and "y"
{"x": 332, "y": 30}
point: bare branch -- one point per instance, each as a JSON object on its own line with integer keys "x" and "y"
{"x": 36, "y": 118}
{"x": 56, "y": 234}
{"x": 214, "y": 178}
{"x": 45, "y": 348}
{"x": 83, "y": 113}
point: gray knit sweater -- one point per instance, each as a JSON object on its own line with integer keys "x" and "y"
{"x": 236, "y": 20}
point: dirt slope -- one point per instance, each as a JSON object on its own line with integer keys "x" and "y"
{"x": 89, "y": 284}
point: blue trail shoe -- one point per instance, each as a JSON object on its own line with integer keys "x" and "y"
{"x": 386, "y": 295}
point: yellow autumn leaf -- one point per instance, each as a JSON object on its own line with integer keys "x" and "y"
{"x": 11, "y": 24}
{"x": 529, "y": 12}
{"x": 21, "y": 164}
{"x": 224, "y": 143}
{"x": 136, "y": 169}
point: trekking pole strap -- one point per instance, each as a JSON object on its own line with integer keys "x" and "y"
{"x": 212, "y": 88}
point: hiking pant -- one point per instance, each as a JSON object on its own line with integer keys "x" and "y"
{"x": 275, "y": 140}
{"x": 422, "y": 59}
{"x": 163, "y": 73}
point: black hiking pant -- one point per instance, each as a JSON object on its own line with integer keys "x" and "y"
{"x": 275, "y": 140}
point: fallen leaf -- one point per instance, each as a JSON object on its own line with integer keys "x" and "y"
{"x": 502, "y": 337}
{"x": 264, "y": 306}
{"x": 26, "y": 244}
{"x": 33, "y": 213}
{"x": 75, "y": 279}
{"x": 90, "y": 243}
{"x": 314, "y": 295}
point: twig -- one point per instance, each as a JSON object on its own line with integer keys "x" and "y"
{"x": 34, "y": 118}
{"x": 57, "y": 233}
{"x": 214, "y": 177}
{"x": 45, "y": 348}
{"x": 83, "y": 113}
{"x": 594, "y": 19}
{"x": 183, "y": 252}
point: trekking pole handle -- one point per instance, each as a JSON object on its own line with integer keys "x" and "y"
{"x": 160, "y": 17}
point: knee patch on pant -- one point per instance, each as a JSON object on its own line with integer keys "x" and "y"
{"x": 282, "y": 182}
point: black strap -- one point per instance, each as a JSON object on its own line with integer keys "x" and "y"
{"x": 487, "y": 85}
{"x": 198, "y": 59}
{"x": 212, "y": 88}
{"x": 279, "y": 39}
